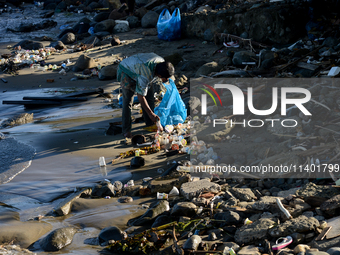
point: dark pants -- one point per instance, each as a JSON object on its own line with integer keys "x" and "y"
{"x": 128, "y": 96}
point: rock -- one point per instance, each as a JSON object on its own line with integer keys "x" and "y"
{"x": 61, "y": 7}
{"x": 266, "y": 203}
{"x": 93, "y": 5}
{"x": 125, "y": 200}
{"x": 192, "y": 243}
{"x": 14, "y": 250}
{"x": 68, "y": 38}
{"x": 103, "y": 189}
{"x": 160, "y": 8}
{"x": 301, "y": 248}
{"x": 101, "y": 16}
{"x": 192, "y": 189}
{"x": 151, "y": 214}
{"x": 18, "y": 120}
{"x": 81, "y": 28}
{"x": 254, "y": 232}
{"x": 203, "y": 9}
{"x": 212, "y": 236}
{"x": 94, "y": 40}
{"x": 316, "y": 253}
{"x": 58, "y": 239}
{"x": 64, "y": 207}
{"x": 108, "y": 72}
{"x": 133, "y": 21}
{"x": 208, "y": 35}
{"x": 115, "y": 15}
{"x": 301, "y": 224}
{"x": 243, "y": 194}
{"x": 286, "y": 193}
{"x": 140, "y": 3}
{"x": 208, "y": 68}
{"x": 65, "y": 31}
{"x": 331, "y": 205}
{"x": 84, "y": 62}
{"x": 230, "y": 217}
{"x": 313, "y": 190}
{"x": 161, "y": 220}
{"x": 121, "y": 26}
{"x": 326, "y": 244}
{"x": 102, "y": 35}
{"x": 131, "y": 190}
{"x": 334, "y": 251}
{"x": 249, "y": 250}
{"x": 106, "y": 25}
{"x": 115, "y": 41}
{"x": 330, "y": 42}
{"x": 29, "y": 45}
{"x": 140, "y": 12}
{"x": 243, "y": 56}
{"x": 150, "y": 19}
{"x": 110, "y": 233}
{"x": 58, "y": 45}
{"x": 244, "y": 35}
{"x": 184, "y": 209}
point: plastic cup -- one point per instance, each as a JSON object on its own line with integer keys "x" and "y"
{"x": 102, "y": 161}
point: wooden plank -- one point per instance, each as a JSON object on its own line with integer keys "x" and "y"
{"x": 56, "y": 98}
{"x": 307, "y": 66}
{"x": 323, "y": 234}
{"x": 33, "y": 102}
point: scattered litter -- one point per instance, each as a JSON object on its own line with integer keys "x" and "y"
{"x": 285, "y": 242}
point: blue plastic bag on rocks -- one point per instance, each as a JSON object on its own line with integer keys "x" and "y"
{"x": 172, "y": 109}
{"x": 169, "y": 26}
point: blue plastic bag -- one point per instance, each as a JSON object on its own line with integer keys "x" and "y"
{"x": 172, "y": 109}
{"x": 169, "y": 26}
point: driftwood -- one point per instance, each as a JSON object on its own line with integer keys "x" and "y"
{"x": 282, "y": 209}
{"x": 242, "y": 41}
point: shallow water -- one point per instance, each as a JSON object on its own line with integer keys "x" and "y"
{"x": 32, "y": 15}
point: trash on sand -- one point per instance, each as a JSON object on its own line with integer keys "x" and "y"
{"x": 102, "y": 161}
{"x": 334, "y": 71}
{"x": 285, "y": 242}
{"x": 162, "y": 195}
{"x": 174, "y": 192}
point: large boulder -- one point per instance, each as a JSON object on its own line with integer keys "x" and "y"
{"x": 68, "y": 38}
{"x": 101, "y": 16}
{"x": 254, "y": 232}
{"x": 58, "y": 239}
{"x": 103, "y": 189}
{"x": 58, "y": 45}
{"x": 114, "y": 15}
{"x": 108, "y": 73}
{"x": 110, "y": 233}
{"x": 121, "y": 26}
{"x": 301, "y": 224}
{"x": 190, "y": 190}
{"x": 151, "y": 214}
{"x": 133, "y": 21}
{"x": 84, "y": 62}
{"x": 30, "y": 45}
{"x": 106, "y": 25}
{"x": 208, "y": 68}
{"x": 150, "y": 19}
{"x": 184, "y": 209}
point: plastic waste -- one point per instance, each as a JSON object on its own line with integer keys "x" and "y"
{"x": 174, "y": 192}
{"x": 169, "y": 26}
{"x": 102, "y": 161}
{"x": 162, "y": 195}
{"x": 171, "y": 110}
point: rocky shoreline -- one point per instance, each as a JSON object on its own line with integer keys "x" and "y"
{"x": 178, "y": 211}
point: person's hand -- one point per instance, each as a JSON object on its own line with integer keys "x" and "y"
{"x": 154, "y": 117}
